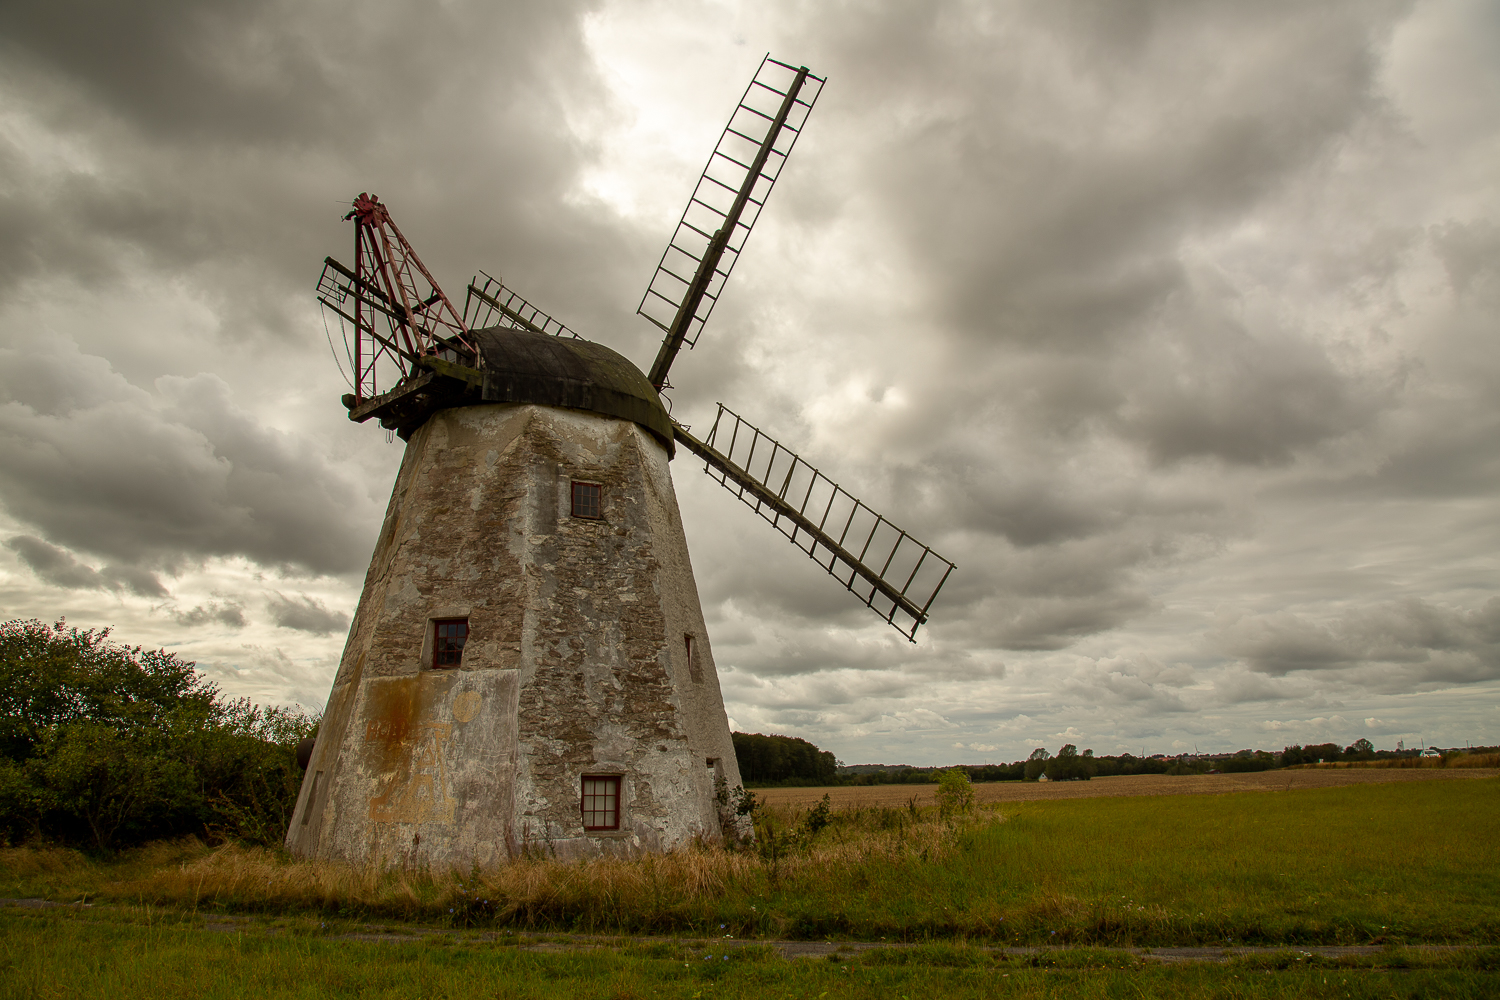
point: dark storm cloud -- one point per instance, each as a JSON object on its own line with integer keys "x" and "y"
{"x": 242, "y": 69}
{"x": 1448, "y": 445}
{"x": 1471, "y": 255}
{"x": 157, "y": 480}
{"x": 1212, "y": 389}
{"x": 1047, "y": 223}
{"x": 229, "y": 613}
{"x": 1053, "y": 213}
{"x": 225, "y": 142}
{"x": 306, "y": 614}
{"x": 1145, "y": 686}
{"x": 59, "y": 568}
{"x": 1409, "y": 642}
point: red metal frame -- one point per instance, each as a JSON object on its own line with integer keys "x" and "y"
{"x": 386, "y": 269}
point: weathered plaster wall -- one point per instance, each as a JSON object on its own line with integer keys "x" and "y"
{"x": 578, "y": 659}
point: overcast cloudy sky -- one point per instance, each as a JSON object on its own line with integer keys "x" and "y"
{"x": 1174, "y": 325}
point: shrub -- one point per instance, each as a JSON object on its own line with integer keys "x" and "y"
{"x": 105, "y": 746}
{"x": 954, "y": 793}
{"x": 817, "y": 816}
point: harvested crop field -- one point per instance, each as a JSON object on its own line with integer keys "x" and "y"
{"x": 851, "y": 797}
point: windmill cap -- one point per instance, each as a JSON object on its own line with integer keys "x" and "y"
{"x": 523, "y": 366}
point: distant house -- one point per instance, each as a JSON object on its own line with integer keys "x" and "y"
{"x": 1043, "y": 777}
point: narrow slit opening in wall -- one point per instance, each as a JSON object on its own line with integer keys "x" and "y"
{"x": 695, "y": 669}
{"x": 312, "y": 797}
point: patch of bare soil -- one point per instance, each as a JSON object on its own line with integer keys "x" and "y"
{"x": 851, "y": 797}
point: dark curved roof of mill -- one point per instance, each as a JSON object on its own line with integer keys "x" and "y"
{"x": 523, "y": 366}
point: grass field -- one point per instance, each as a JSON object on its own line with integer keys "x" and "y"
{"x": 1387, "y": 863}
{"x": 173, "y": 957}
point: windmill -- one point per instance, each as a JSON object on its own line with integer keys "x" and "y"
{"x": 529, "y": 667}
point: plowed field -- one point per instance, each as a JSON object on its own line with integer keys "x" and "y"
{"x": 848, "y": 797}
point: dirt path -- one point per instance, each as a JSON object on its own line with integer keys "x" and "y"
{"x": 848, "y": 797}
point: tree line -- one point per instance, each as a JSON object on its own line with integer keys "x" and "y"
{"x": 782, "y": 760}
{"x": 785, "y": 760}
{"x": 105, "y": 746}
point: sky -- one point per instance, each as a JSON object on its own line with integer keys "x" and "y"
{"x": 1172, "y": 325}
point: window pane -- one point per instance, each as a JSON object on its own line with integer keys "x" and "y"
{"x": 586, "y": 498}
{"x": 601, "y": 803}
{"x": 448, "y": 638}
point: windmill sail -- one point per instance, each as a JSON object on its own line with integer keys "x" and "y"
{"x": 890, "y": 571}
{"x": 725, "y": 204}
{"x": 492, "y": 304}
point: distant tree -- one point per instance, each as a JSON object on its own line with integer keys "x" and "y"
{"x": 1328, "y": 753}
{"x": 1360, "y": 749}
{"x": 997, "y": 772}
{"x": 1069, "y": 766}
{"x": 1036, "y": 764}
{"x": 1241, "y": 764}
{"x": 1184, "y": 766}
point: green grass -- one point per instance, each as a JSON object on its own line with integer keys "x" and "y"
{"x": 1374, "y": 863}
{"x": 163, "y": 957}
{"x": 1382, "y": 864}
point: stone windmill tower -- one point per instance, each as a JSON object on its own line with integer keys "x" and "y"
{"x": 529, "y": 667}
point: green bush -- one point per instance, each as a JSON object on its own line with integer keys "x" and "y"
{"x": 954, "y": 793}
{"x": 106, "y": 746}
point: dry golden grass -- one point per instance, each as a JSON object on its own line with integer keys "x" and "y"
{"x": 1480, "y": 760}
{"x": 1484, "y": 760}
{"x": 1305, "y": 866}
{"x": 677, "y": 891}
{"x": 889, "y": 796}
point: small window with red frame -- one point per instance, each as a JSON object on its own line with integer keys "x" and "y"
{"x": 601, "y": 802}
{"x": 448, "y": 638}
{"x": 586, "y": 500}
